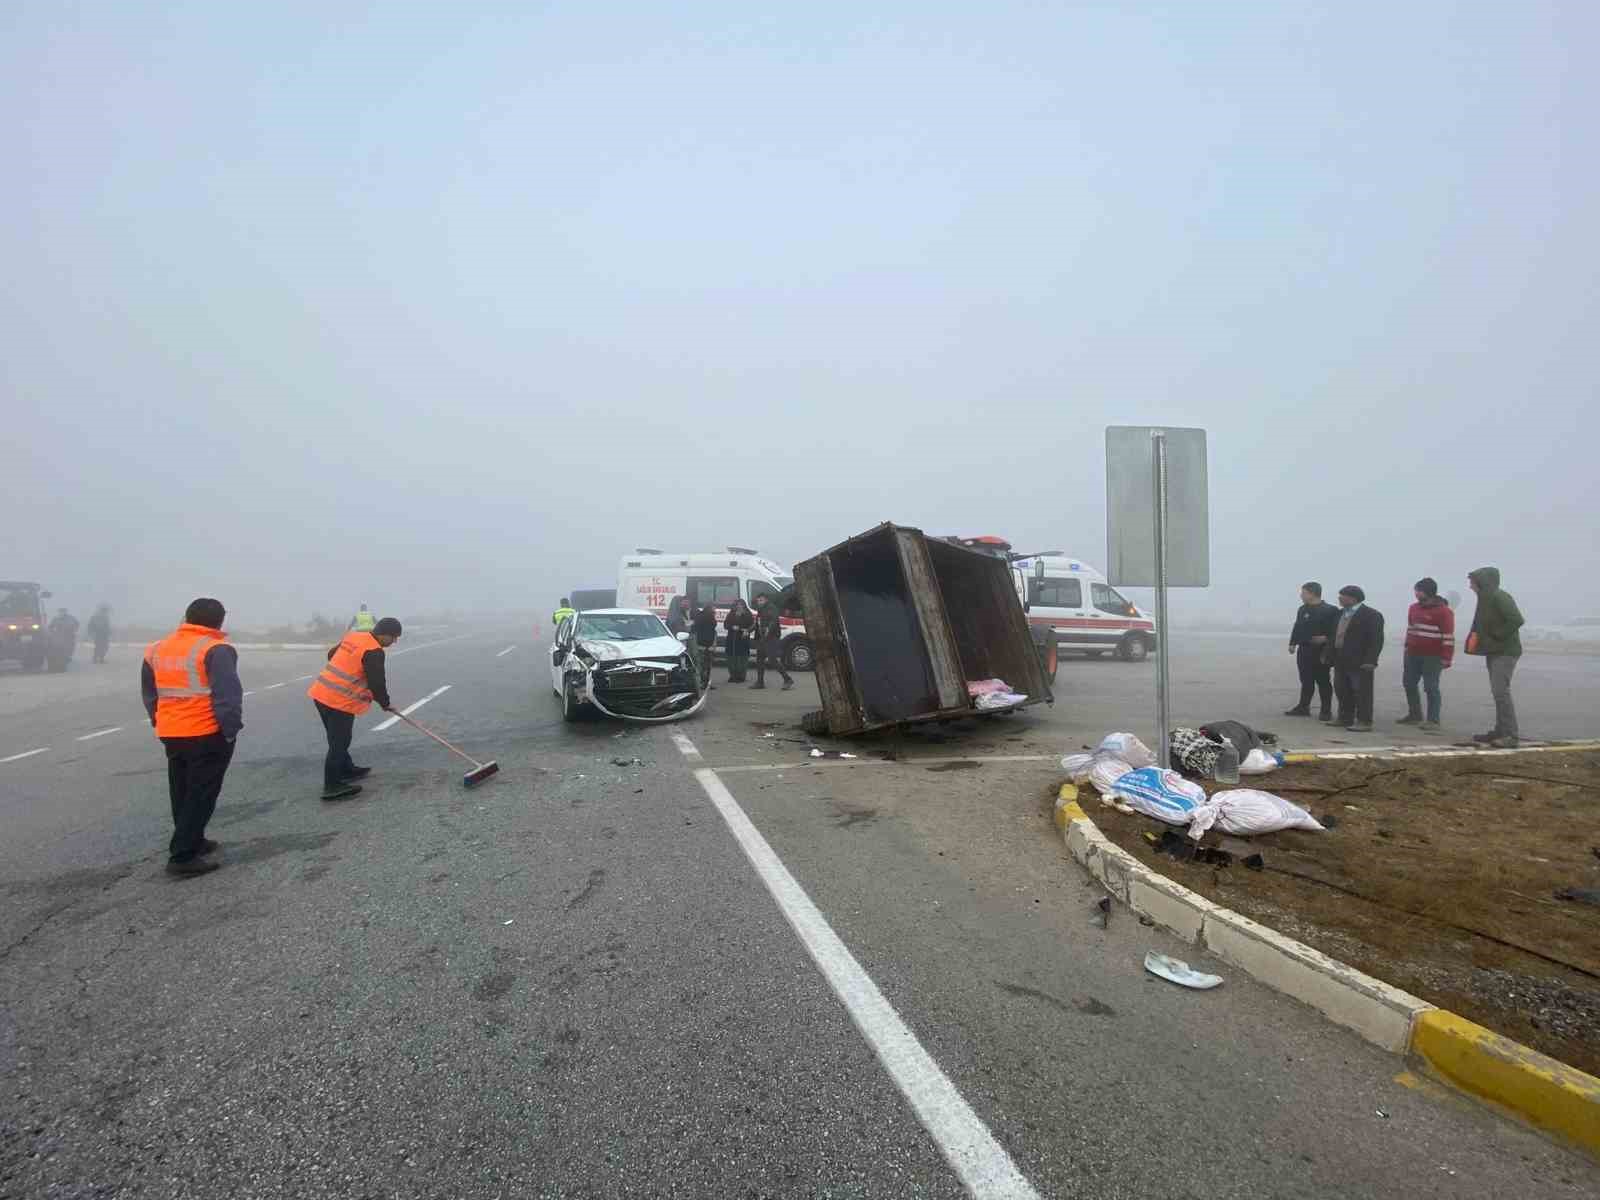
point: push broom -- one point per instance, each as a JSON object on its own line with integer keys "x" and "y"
{"x": 480, "y": 771}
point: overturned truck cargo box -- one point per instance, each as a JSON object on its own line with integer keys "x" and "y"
{"x": 901, "y": 624}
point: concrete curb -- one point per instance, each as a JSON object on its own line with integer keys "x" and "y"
{"x": 1516, "y": 1078}
{"x": 1392, "y": 752}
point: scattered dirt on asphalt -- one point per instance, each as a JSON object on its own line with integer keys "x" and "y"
{"x": 1439, "y": 876}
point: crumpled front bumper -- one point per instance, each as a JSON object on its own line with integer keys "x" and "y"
{"x": 660, "y": 706}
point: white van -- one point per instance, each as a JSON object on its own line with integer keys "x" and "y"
{"x": 652, "y": 579}
{"x": 1088, "y": 614}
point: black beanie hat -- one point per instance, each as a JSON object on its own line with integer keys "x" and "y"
{"x": 387, "y": 625}
{"x": 1351, "y": 589}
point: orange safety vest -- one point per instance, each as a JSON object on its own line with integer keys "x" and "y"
{"x": 183, "y": 690}
{"x": 343, "y": 682}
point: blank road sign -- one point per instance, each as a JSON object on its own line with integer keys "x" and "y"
{"x": 1130, "y": 507}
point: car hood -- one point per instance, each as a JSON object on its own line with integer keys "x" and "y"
{"x": 660, "y": 647}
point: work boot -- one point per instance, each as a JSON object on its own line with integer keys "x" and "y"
{"x": 1327, "y": 718}
{"x": 1509, "y": 742}
{"x": 787, "y": 684}
{"x": 1429, "y": 727}
{"x": 1297, "y": 711}
{"x": 358, "y": 773}
{"x": 343, "y": 792}
{"x": 207, "y": 846}
{"x": 757, "y": 685}
{"x": 191, "y": 866}
{"x": 1360, "y": 727}
{"x": 1483, "y": 739}
{"x": 1410, "y": 719}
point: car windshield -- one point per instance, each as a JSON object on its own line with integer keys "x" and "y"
{"x": 18, "y": 602}
{"x": 621, "y": 627}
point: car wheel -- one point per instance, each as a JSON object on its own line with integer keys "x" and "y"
{"x": 1133, "y": 649}
{"x": 569, "y": 702}
{"x": 815, "y": 723}
{"x": 798, "y": 655}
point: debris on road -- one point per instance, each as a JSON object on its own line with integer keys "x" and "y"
{"x": 1175, "y": 970}
{"x": 627, "y": 762}
{"x": 816, "y": 753}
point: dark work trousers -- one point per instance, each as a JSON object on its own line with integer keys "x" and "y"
{"x": 738, "y": 657}
{"x": 772, "y": 650}
{"x": 1315, "y": 675}
{"x": 195, "y": 767}
{"x": 100, "y": 649}
{"x": 341, "y": 727}
{"x": 1354, "y": 687}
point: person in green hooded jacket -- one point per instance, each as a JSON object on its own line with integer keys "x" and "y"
{"x": 1494, "y": 636}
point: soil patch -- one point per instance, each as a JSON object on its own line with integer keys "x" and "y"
{"x": 1438, "y": 876}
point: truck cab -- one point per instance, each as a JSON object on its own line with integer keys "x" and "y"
{"x": 24, "y": 632}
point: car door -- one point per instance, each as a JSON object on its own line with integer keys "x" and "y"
{"x": 1111, "y": 609}
{"x": 558, "y": 652}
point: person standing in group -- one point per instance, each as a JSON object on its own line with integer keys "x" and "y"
{"x": 1353, "y": 654}
{"x": 354, "y": 677}
{"x": 705, "y": 640}
{"x": 678, "y": 615}
{"x": 189, "y": 681}
{"x": 1430, "y": 647}
{"x": 739, "y": 623}
{"x": 562, "y": 613}
{"x": 99, "y": 630}
{"x": 363, "y": 621}
{"x": 1494, "y": 635}
{"x": 1313, "y": 628}
{"x": 769, "y": 642}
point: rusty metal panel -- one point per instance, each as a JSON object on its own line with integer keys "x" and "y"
{"x": 841, "y": 701}
{"x": 986, "y": 620}
{"x": 940, "y": 644}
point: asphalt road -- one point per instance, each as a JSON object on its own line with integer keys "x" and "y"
{"x": 572, "y": 981}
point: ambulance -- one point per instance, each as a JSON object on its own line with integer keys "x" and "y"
{"x": 652, "y": 579}
{"x": 1088, "y": 615}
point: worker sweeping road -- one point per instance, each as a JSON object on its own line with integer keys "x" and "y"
{"x": 347, "y": 687}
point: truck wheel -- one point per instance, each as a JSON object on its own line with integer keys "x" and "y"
{"x": 1133, "y": 648}
{"x": 33, "y": 663}
{"x": 1052, "y": 661}
{"x": 798, "y": 655}
{"x": 815, "y": 723}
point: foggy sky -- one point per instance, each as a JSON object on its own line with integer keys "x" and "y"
{"x": 454, "y": 304}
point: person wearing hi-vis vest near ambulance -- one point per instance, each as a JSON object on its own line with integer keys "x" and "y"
{"x": 347, "y": 687}
{"x": 190, "y": 683}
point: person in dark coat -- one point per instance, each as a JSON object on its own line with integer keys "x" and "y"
{"x": 1309, "y": 636}
{"x": 705, "y": 641}
{"x": 99, "y": 629}
{"x": 678, "y": 615}
{"x": 739, "y": 624}
{"x": 769, "y": 643}
{"x": 1353, "y": 654}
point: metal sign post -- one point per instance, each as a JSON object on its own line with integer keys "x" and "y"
{"x": 1158, "y": 528}
{"x": 1158, "y": 471}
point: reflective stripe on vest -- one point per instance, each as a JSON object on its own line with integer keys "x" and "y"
{"x": 183, "y": 690}
{"x": 342, "y": 683}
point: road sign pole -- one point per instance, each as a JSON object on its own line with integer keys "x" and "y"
{"x": 1158, "y": 451}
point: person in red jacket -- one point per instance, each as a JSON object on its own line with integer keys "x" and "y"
{"x": 1430, "y": 647}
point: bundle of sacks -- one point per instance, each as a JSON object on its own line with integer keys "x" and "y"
{"x": 1122, "y": 770}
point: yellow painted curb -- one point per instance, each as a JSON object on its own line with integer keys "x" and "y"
{"x": 1067, "y": 808}
{"x": 1547, "y": 1093}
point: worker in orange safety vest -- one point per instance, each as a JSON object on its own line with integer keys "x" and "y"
{"x": 190, "y": 683}
{"x": 353, "y": 679}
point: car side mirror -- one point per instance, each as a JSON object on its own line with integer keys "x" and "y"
{"x": 682, "y": 637}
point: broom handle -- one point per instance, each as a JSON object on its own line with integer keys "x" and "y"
{"x": 437, "y": 738}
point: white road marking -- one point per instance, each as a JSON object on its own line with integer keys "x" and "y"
{"x": 25, "y": 754}
{"x": 89, "y": 737}
{"x": 887, "y": 762}
{"x": 440, "y": 642}
{"x": 505, "y": 652}
{"x": 249, "y": 693}
{"x": 682, "y": 742}
{"x": 270, "y": 686}
{"x": 410, "y": 708}
{"x": 966, "y": 1143}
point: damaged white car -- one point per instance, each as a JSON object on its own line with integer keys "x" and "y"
{"x": 625, "y": 663}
